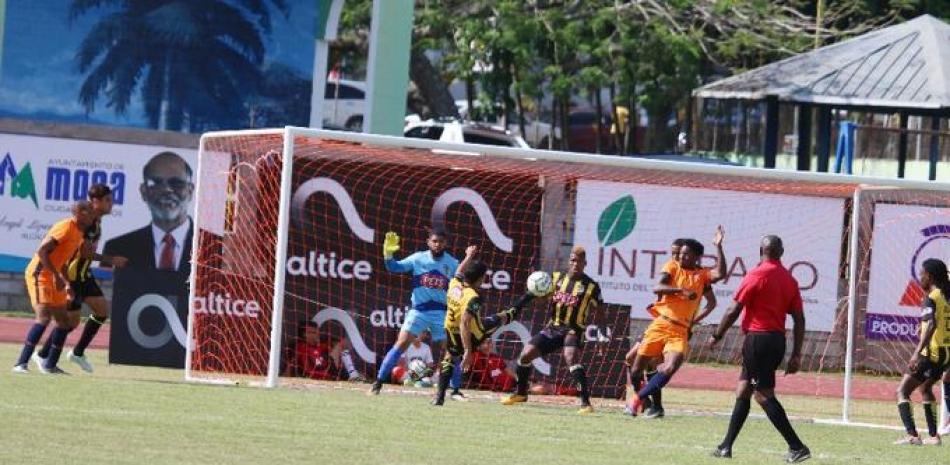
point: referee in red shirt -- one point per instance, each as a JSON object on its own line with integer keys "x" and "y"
{"x": 767, "y": 294}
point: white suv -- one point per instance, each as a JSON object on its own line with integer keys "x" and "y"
{"x": 536, "y": 133}
{"x": 469, "y": 133}
{"x": 344, "y": 103}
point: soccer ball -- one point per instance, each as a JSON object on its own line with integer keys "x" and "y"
{"x": 539, "y": 283}
{"x": 418, "y": 370}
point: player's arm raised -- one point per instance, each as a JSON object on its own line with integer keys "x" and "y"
{"x": 719, "y": 272}
{"x": 470, "y": 253}
{"x": 390, "y": 247}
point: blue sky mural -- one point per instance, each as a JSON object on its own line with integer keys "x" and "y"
{"x": 268, "y": 70}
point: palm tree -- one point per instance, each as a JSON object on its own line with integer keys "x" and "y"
{"x": 194, "y": 61}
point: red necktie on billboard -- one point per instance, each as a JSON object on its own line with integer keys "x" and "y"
{"x": 167, "y": 259}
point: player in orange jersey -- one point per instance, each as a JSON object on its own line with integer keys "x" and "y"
{"x": 48, "y": 286}
{"x": 679, "y": 288}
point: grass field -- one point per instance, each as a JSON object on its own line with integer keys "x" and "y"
{"x": 149, "y": 416}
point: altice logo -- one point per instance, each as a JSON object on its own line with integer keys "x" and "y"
{"x": 343, "y": 200}
{"x": 330, "y": 265}
{"x": 477, "y": 202}
{"x": 352, "y": 332}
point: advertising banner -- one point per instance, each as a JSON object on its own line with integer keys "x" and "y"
{"x": 149, "y": 314}
{"x": 903, "y": 237}
{"x": 340, "y": 213}
{"x": 42, "y": 177}
{"x": 627, "y": 230}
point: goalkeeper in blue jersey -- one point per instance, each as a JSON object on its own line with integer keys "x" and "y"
{"x": 431, "y": 271}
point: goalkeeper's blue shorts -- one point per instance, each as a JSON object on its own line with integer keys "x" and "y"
{"x": 431, "y": 320}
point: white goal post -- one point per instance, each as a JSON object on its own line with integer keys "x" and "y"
{"x": 292, "y": 137}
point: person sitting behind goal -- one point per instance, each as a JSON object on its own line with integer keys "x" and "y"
{"x": 490, "y": 371}
{"x": 323, "y": 358}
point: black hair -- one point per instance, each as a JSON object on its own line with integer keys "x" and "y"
{"x": 937, "y": 270}
{"x": 771, "y": 246}
{"x": 303, "y": 325}
{"x": 436, "y": 232}
{"x": 694, "y": 245}
{"x": 474, "y": 271}
{"x": 159, "y": 155}
{"x": 98, "y": 191}
{"x": 679, "y": 242}
{"x": 81, "y": 205}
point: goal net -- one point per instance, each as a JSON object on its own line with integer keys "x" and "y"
{"x": 288, "y": 264}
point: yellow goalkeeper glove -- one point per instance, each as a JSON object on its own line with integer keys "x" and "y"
{"x": 390, "y": 245}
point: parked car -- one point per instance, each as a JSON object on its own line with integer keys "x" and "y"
{"x": 459, "y": 132}
{"x": 344, "y": 103}
{"x": 582, "y": 132}
{"x": 536, "y": 133}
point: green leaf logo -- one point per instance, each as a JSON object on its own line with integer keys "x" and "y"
{"x": 617, "y": 221}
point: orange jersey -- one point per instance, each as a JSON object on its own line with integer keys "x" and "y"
{"x": 68, "y": 236}
{"x": 677, "y": 306}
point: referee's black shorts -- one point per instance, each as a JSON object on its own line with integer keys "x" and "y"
{"x": 82, "y": 289}
{"x": 762, "y": 353}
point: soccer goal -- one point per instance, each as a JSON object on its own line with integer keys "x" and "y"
{"x": 290, "y": 251}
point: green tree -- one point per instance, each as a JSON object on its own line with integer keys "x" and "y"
{"x": 194, "y": 61}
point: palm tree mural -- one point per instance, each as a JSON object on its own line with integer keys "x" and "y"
{"x": 194, "y": 61}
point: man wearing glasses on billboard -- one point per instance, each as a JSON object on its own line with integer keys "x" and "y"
{"x": 165, "y": 243}
{"x": 157, "y": 272}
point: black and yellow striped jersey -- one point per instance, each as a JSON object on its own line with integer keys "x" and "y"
{"x": 936, "y": 311}
{"x": 79, "y": 268}
{"x": 572, "y": 299}
{"x": 460, "y": 298}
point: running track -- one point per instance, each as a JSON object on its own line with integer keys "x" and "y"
{"x": 14, "y": 330}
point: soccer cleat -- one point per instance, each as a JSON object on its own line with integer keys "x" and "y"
{"x": 931, "y": 441}
{"x": 514, "y": 399}
{"x": 908, "y": 441}
{"x": 799, "y": 455}
{"x": 586, "y": 409}
{"x": 654, "y": 412}
{"x": 634, "y": 406}
{"x": 722, "y": 452}
{"x": 39, "y": 361}
{"x": 646, "y": 404}
{"x": 80, "y": 360}
{"x": 438, "y": 401}
{"x": 55, "y": 371}
{"x": 374, "y": 390}
{"x": 458, "y": 396}
{"x": 21, "y": 368}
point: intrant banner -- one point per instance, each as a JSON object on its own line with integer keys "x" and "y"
{"x": 627, "y": 230}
